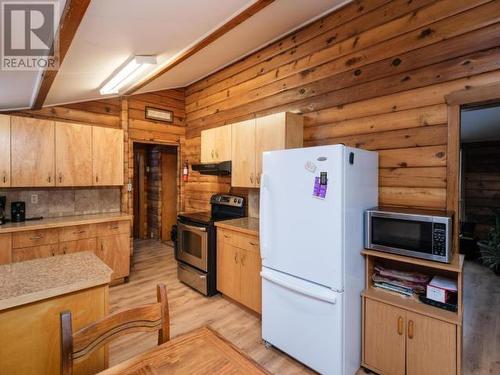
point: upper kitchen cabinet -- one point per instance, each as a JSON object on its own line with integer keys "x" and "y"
{"x": 32, "y": 152}
{"x": 107, "y": 155}
{"x": 5, "y": 144}
{"x": 243, "y": 154}
{"x": 73, "y": 154}
{"x": 251, "y": 138}
{"x": 216, "y": 144}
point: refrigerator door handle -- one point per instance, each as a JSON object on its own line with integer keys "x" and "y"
{"x": 264, "y": 223}
{"x": 278, "y": 281}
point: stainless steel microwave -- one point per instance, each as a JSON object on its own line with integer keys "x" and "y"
{"x": 416, "y": 233}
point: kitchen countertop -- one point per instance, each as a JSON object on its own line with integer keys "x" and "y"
{"x": 35, "y": 280}
{"x": 248, "y": 225}
{"x": 64, "y": 221}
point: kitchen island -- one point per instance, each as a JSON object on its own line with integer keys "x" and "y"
{"x": 33, "y": 294}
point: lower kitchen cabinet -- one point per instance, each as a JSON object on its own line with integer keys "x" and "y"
{"x": 397, "y": 342}
{"x": 238, "y": 268}
{"x": 114, "y": 250}
{"x": 110, "y": 241}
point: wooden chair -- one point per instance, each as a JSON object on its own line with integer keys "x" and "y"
{"x": 75, "y": 347}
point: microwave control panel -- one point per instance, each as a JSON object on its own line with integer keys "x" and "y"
{"x": 439, "y": 239}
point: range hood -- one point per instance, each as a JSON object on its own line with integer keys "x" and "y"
{"x": 215, "y": 169}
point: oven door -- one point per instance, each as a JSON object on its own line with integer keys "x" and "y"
{"x": 192, "y": 245}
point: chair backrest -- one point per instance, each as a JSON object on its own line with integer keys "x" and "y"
{"x": 77, "y": 346}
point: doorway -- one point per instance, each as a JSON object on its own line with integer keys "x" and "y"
{"x": 154, "y": 190}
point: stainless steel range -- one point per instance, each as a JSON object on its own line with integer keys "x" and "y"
{"x": 195, "y": 247}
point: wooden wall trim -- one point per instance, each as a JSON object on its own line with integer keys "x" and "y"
{"x": 72, "y": 16}
{"x": 224, "y": 29}
{"x": 474, "y": 95}
{"x": 453, "y": 170}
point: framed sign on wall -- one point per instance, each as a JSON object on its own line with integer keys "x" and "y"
{"x": 157, "y": 114}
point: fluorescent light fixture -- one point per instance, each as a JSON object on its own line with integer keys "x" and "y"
{"x": 130, "y": 70}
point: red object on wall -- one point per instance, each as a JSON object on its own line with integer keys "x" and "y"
{"x": 185, "y": 172}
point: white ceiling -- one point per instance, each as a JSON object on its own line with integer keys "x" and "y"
{"x": 114, "y": 30}
{"x": 479, "y": 125}
{"x": 17, "y": 88}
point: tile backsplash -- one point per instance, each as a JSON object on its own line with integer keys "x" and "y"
{"x": 64, "y": 202}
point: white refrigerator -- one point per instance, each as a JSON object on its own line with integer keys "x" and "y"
{"x": 312, "y": 202}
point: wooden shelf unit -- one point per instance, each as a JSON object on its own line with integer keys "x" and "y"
{"x": 406, "y": 312}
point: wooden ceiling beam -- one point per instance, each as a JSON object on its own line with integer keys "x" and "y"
{"x": 224, "y": 29}
{"x": 70, "y": 20}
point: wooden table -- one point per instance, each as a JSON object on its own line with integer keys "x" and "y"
{"x": 202, "y": 351}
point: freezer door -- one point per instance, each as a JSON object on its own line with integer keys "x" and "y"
{"x": 301, "y": 234}
{"x": 304, "y": 320}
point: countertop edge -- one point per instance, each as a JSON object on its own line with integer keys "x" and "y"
{"x": 71, "y": 222}
{"x": 43, "y": 295}
{"x": 229, "y": 226}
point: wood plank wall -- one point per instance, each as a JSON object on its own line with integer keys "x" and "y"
{"x": 482, "y": 185}
{"x": 374, "y": 75}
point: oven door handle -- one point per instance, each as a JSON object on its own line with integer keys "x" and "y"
{"x": 192, "y": 227}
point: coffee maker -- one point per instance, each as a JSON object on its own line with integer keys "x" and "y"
{"x": 17, "y": 212}
{"x": 3, "y": 203}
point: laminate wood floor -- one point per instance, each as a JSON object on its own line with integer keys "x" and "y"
{"x": 153, "y": 262}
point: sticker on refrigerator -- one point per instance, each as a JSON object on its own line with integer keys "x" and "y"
{"x": 320, "y": 185}
{"x": 310, "y": 166}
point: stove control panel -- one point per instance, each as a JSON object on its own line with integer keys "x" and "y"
{"x": 227, "y": 200}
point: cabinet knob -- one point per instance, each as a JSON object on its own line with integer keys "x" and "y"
{"x": 251, "y": 178}
{"x": 212, "y": 154}
{"x": 4, "y": 178}
{"x": 236, "y": 258}
{"x": 258, "y": 179}
{"x": 243, "y": 259}
{"x": 60, "y": 177}
{"x": 410, "y": 329}
{"x": 400, "y": 325}
{"x": 96, "y": 178}
{"x": 49, "y": 179}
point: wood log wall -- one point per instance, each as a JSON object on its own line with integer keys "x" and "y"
{"x": 373, "y": 75}
{"x": 482, "y": 185}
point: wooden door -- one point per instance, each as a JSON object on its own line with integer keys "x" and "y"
{"x": 168, "y": 193}
{"x": 251, "y": 284}
{"x": 5, "y": 248}
{"x": 107, "y": 156}
{"x": 270, "y": 136}
{"x": 228, "y": 269}
{"x": 208, "y": 138}
{"x": 73, "y": 154}
{"x": 5, "y": 146}
{"x": 34, "y": 252}
{"x": 384, "y": 338}
{"x": 243, "y": 154}
{"x": 32, "y": 152}
{"x": 140, "y": 205}
{"x": 223, "y": 143}
{"x": 115, "y": 252}
{"x": 431, "y": 346}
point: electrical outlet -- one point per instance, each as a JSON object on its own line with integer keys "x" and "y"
{"x": 34, "y": 198}
{"x": 129, "y": 187}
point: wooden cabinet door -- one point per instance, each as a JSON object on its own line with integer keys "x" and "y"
{"x": 115, "y": 252}
{"x": 222, "y": 143}
{"x": 32, "y": 152}
{"x": 107, "y": 156}
{"x": 431, "y": 347}
{"x": 5, "y": 147}
{"x": 208, "y": 139}
{"x": 73, "y": 154}
{"x": 69, "y": 247}
{"x": 5, "y": 248}
{"x": 228, "y": 269}
{"x": 384, "y": 338}
{"x": 243, "y": 154}
{"x": 270, "y": 136}
{"x": 35, "y": 252}
{"x": 251, "y": 284}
